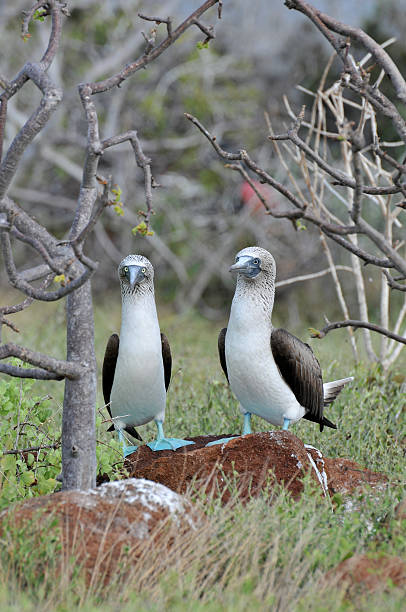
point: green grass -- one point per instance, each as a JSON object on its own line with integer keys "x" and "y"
{"x": 253, "y": 557}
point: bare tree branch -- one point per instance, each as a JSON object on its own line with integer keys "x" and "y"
{"x": 56, "y": 366}
{"x": 393, "y": 283}
{"x": 32, "y": 449}
{"x": 306, "y": 277}
{"x": 342, "y": 178}
{"x": 357, "y": 81}
{"x": 379, "y": 55}
{"x": 36, "y": 373}
{"x": 133, "y": 67}
{"x": 332, "y": 231}
{"x": 52, "y": 96}
{"x": 357, "y": 324}
{"x": 17, "y": 280}
{"x": 159, "y": 20}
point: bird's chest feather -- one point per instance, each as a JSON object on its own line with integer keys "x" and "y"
{"x": 253, "y": 374}
{"x": 139, "y": 388}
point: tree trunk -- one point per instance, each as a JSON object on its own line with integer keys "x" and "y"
{"x": 78, "y": 421}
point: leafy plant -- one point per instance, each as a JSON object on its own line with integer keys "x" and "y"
{"x": 31, "y": 457}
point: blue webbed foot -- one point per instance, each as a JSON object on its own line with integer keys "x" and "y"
{"x": 168, "y": 444}
{"x": 221, "y": 441}
{"x": 129, "y": 450}
{"x": 162, "y": 443}
{"x": 285, "y": 424}
{"x": 246, "y": 430}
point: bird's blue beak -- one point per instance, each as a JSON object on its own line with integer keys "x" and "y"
{"x": 245, "y": 265}
{"x": 135, "y": 275}
{"x": 241, "y": 264}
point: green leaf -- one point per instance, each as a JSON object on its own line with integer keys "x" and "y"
{"x": 142, "y": 228}
{"x": 8, "y": 463}
{"x": 38, "y": 16}
{"x": 315, "y": 333}
{"x": 300, "y": 226}
{"x": 28, "y": 478}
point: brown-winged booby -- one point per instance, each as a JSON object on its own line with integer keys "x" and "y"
{"x": 272, "y": 373}
{"x": 137, "y": 366}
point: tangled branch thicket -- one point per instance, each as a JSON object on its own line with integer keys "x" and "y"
{"x": 342, "y": 178}
{"x": 65, "y": 261}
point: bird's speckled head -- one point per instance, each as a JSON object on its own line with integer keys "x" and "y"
{"x": 254, "y": 263}
{"x": 256, "y": 273}
{"x": 136, "y": 275}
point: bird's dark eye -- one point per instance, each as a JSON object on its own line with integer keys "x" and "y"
{"x": 256, "y": 262}
{"x": 143, "y": 270}
{"x": 126, "y": 269}
{"x": 236, "y": 259}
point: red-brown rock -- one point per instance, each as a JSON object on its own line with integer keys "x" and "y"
{"x": 252, "y": 462}
{"x": 363, "y": 573}
{"x": 99, "y": 526}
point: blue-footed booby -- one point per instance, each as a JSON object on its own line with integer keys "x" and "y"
{"x": 137, "y": 366}
{"x": 272, "y": 373}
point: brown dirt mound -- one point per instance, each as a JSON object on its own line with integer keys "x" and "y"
{"x": 111, "y": 526}
{"x": 252, "y": 463}
{"x": 363, "y": 573}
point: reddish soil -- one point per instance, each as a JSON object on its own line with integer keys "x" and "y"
{"x": 252, "y": 463}
{"x": 106, "y": 529}
{"x": 361, "y": 573}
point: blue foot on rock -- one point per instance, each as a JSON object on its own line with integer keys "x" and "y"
{"x": 128, "y": 450}
{"x": 221, "y": 441}
{"x": 247, "y": 424}
{"x": 285, "y": 424}
{"x": 168, "y": 444}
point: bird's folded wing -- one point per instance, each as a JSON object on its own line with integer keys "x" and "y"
{"x": 167, "y": 359}
{"x": 221, "y": 343}
{"x": 108, "y": 371}
{"x": 109, "y": 368}
{"x": 300, "y": 370}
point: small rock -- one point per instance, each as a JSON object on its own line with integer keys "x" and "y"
{"x": 98, "y": 526}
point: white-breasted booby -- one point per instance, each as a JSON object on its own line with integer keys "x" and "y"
{"x": 272, "y": 373}
{"x": 137, "y": 366}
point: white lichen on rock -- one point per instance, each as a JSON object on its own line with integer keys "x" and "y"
{"x": 152, "y": 496}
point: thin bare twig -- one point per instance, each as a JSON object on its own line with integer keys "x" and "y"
{"x": 159, "y": 20}
{"x": 32, "y": 449}
{"x": 358, "y": 324}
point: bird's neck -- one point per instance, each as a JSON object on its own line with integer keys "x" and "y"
{"x": 253, "y": 304}
{"x": 138, "y": 314}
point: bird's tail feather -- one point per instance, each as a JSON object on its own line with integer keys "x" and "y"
{"x": 333, "y": 388}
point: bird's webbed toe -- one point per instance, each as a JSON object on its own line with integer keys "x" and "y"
{"x": 168, "y": 444}
{"x": 129, "y": 450}
{"x": 221, "y": 441}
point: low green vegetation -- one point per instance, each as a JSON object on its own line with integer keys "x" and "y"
{"x": 260, "y": 556}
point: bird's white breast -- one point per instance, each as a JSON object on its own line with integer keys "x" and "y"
{"x": 138, "y": 394}
{"x": 253, "y": 374}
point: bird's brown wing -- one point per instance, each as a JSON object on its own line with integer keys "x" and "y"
{"x": 167, "y": 359}
{"x": 302, "y": 373}
{"x": 109, "y": 368}
{"x": 108, "y": 371}
{"x": 221, "y": 343}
